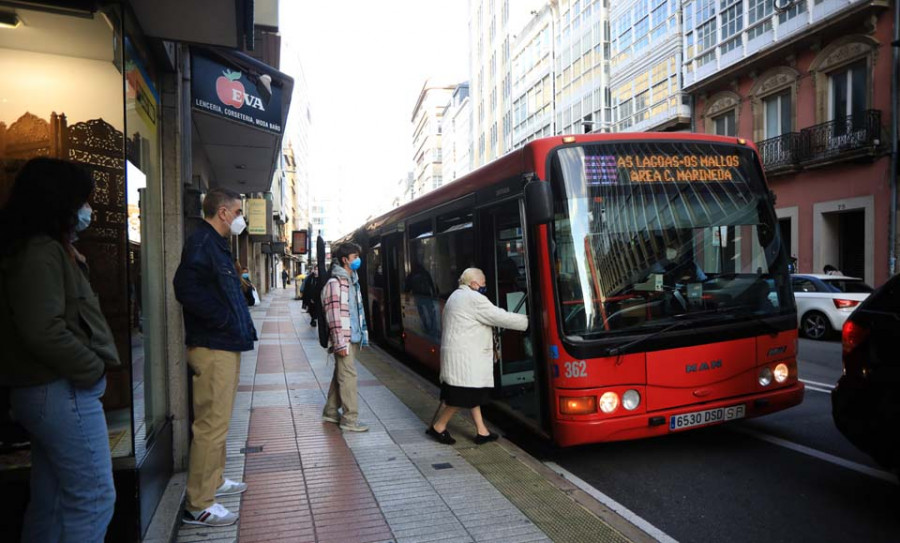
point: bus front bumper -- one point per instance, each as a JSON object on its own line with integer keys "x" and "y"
{"x": 657, "y": 423}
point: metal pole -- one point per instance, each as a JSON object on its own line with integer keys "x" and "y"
{"x": 895, "y": 121}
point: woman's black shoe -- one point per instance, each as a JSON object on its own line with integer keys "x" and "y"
{"x": 480, "y": 439}
{"x": 441, "y": 437}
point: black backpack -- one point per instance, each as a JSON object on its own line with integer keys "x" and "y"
{"x": 323, "y": 277}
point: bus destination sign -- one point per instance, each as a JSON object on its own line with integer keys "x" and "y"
{"x": 608, "y": 169}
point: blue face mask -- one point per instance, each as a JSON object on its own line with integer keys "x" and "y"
{"x": 357, "y": 262}
{"x": 84, "y": 219}
{"x": 246, "y": 276}
{"x": 482, "y": 290}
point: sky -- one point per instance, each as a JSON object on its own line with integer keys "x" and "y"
{"x": 365, "y": 63}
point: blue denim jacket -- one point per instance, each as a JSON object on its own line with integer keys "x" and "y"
{"x": 216, "y": 315}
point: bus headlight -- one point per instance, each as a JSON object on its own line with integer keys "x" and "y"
{"x": 781, "y": 373}
{"x": 609, "y": 402}
{"x": 765, "y": 376}
{"x": 631, "y": 399}
{"x": 582, "y": 405}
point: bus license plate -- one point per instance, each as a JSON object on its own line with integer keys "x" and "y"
{"x": 710, "y": 416}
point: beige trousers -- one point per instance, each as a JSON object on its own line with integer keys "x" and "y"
{"x": 216, "y": 376}
{"x": 342, "y": 392}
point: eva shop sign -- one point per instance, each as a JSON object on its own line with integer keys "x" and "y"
{"x": 227, "y": 91}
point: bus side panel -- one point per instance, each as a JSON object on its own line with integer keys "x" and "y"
{"x": 423, "y": 350}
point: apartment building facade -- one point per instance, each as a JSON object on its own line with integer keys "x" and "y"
{"x": 810, "y": 84}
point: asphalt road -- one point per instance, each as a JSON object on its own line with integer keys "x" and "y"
{"x": 790, "y": 476}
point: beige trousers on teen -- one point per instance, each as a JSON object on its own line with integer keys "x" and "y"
{"x": 216, "y": 376}
{"x": 342, "y": 392}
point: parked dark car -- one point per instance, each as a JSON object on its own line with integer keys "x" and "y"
{"x": 866, "y": 402}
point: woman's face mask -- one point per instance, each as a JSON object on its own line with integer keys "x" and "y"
{"x": 246, "y": 276}
{"x": 84, "y": 218}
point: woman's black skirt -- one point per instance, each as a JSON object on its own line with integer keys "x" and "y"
{"x": 464, "y": 397}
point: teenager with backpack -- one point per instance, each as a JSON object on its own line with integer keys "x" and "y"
{"x": 346, "y": 323}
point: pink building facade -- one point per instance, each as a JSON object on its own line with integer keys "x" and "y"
{"x": 815, "y": 98}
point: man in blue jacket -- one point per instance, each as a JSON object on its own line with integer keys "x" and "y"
{"x": 217, "y": 329}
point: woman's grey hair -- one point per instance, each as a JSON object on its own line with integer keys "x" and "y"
{"x": 469, "y": 275}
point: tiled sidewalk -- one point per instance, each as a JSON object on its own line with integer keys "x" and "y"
{"x": 308, "y": 482}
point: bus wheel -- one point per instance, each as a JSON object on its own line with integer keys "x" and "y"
{"x": 815, "y": 325}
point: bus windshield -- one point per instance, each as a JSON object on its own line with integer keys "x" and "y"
{"x": 649, "y": 233}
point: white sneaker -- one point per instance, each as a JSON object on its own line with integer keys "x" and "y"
{"x": 214, "y": 515}
{"x": 230, "y": 488}
{"x": 354, "y": 427}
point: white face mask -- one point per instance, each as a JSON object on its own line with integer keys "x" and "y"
{"x": 671, "y": 253}
{"x": 238, "y": 225}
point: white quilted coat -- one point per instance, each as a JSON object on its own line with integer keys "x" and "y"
{"x": 467, "y": 357}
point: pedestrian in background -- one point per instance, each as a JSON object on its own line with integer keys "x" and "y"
{"x": 310, "y": 296}
{"x": 344, "y": 312}
{"x": 467, "y": 354}
{"x": 831, "y": 270}
{"x": 217, "y": 329}
{"x": 284, "y": 278}
{"x": 57, "y": 347}
{"x": 247, "y": 287}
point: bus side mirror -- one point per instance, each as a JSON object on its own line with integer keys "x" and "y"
{"x": 538, "y": 202}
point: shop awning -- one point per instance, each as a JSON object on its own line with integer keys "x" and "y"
{"x": 223, "y": 23}
{"x": 240, "y": 107}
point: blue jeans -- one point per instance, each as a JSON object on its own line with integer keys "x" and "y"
{"x": 72, "y": 492}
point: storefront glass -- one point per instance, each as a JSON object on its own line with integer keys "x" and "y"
{"x": 82, "y": 92}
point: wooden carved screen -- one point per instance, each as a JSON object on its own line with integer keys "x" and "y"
{"x": 99, "y": 147}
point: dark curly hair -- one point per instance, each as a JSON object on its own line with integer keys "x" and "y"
{"x": 45, "y": 199}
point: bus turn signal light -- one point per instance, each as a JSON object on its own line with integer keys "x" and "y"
{"x": 583, "y": 405}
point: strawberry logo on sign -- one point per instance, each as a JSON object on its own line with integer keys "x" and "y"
{"x": 229, "y": 89}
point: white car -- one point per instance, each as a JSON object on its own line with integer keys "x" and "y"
{"x": 825, "y": 301}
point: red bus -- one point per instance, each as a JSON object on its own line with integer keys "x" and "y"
{"x": 651, "y": 266}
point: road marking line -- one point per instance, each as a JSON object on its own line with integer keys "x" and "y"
{"x": 818, "y": 384}
{"x": 803, "y": 449}
{"x": 817, "y": 389}
{"x": 620, "y": 509}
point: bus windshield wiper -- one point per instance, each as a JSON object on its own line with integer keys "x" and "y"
{"x": 683, "y": 320}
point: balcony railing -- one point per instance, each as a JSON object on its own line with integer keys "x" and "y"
{"x": 852, "y": 133}
{"x": 781, "y": 151}
{"x": 850, "y": 137}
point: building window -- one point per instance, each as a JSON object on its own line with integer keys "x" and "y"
{"x": 848, "y": 92}
{"x": 793, "y": 11}
{"x": 778, "y": 114}
{"x": 706, "y": 35}
{"x": 732, "y": 20}
{"x": 725, "y": 124}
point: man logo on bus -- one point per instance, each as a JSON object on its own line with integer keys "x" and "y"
{"x": 703, "y": 366}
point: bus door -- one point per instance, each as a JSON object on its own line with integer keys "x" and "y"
{"x": 395, "y": 270}
{"x": 505, "y": 270}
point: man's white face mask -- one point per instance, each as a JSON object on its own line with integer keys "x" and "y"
{"x": 238, "y": 225}
{"x": 671, "y": 253}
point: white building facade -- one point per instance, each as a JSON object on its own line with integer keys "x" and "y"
{"x": 582, "y": 66}
{"x": 456, "y": 134}
{"x": 427, "y": 119}
{"x": 645, "y": 65}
